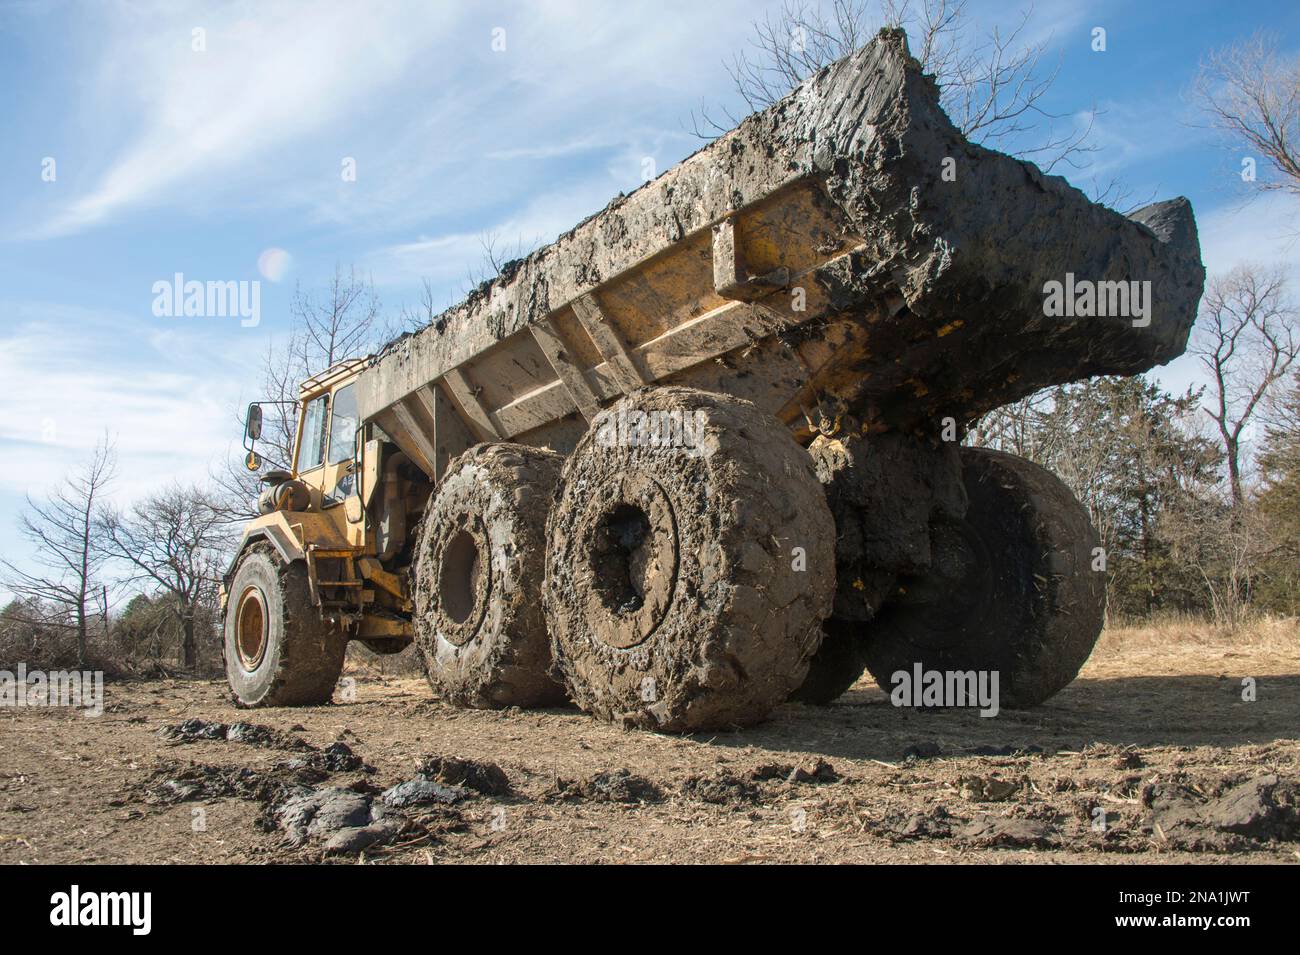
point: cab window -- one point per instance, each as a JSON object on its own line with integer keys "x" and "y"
{"x": 343, "y": 425}
{"x": 311, "y": 448}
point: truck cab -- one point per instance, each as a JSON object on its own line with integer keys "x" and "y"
{"x": 334, "y": 524}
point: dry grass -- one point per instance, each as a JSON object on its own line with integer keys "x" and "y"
{"x": 1192, "y": 645}
{"x": 1263, "y": 632}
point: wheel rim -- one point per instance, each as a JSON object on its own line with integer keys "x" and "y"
{"x": 629, "y": 534}
{"x": 251, "y": 629}
{"x": 464, "y": 579}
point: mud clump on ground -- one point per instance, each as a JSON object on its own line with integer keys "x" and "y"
{"x": 1263, "y": 809}
{"x": 722, "y": 789}
{"x": 481, "y": 776}
{"x": 347, "y": 820}
{"x": 619, "y": 785}
{"x": 423, "y": 792}
{"x": 933, "y": 824}
{"x": 334, "y": 758}
{"x": 988, "y": 788}
{"x": 809, "y": 771}
{"x": 1007, "y": 832}
{"x": 337, "y": 757}
{"x": 298, "y": 801}
{"x": 342, "y": 821}
{"x": 171, "y": 784}
{"x": 253, "y": 734}
{"x": 174, "y": 783}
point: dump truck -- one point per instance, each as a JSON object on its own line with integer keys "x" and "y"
{"x": 704, "y": 454}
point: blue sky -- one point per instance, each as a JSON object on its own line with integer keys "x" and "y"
{"x": 169, "y": 159}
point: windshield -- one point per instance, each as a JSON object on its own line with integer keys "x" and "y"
{"x": 311, "y": 449}
{"x": 343, "y": 426}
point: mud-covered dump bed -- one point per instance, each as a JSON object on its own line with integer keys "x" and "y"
{"x": 845, "y": 248}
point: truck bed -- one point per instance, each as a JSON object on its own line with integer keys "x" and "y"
{"x": 821, "y": 257}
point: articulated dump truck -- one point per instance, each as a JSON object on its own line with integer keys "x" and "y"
{"x": 702, "y": 454}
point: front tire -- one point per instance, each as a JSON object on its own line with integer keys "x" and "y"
{"x": 278, "y": 650}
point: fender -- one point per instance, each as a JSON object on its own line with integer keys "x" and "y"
{"x": 290, "y": 533}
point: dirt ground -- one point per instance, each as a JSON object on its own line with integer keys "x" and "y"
{"x": 1154, "y": 737}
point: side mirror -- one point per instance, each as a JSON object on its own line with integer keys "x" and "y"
{"x": 253, "y": 426}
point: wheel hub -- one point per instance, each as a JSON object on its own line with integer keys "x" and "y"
{"x": 464, "y": 579}
{"x": 629, "y": 533}
{"x": 251, "y": 629}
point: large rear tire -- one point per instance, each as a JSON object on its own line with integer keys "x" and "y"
{"x": 480, "y": 560}
{"x": 884, "y": 491}
{"x": 1011, "y": 588}
{"x": 278, "y": 650}
{"x": 690, "y": 563}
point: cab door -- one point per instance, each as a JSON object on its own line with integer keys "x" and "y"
{"x": 341, "y": 467}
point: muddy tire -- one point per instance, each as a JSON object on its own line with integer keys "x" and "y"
{"x": 839, "y": 662}
{"x": 480, "y": 560}
{"x": 1011, "y": 588}
{"x": 671, "y": 593}
{"x": 278, "y": 651}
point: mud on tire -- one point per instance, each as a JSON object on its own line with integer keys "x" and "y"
{"x": 278, "y": 651}
{"x": 884, "y": 491}
{"x": 1012, "y": 588}
{"x": 671, "y": 595}
{"x": 480, "y": 559}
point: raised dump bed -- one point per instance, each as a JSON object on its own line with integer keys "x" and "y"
{"x": 845, "y": 244}
{"x": 701, "y": 452}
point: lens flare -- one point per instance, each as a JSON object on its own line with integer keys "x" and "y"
{"x": 273, "y": 263}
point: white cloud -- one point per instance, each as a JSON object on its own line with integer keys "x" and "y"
{"x": 254, "y": 120}
{"x": 167, "y": 396}
{"x": 258, "y": 83}
{"x": 451, "y": 257}
{"x": 1264, "y": 230}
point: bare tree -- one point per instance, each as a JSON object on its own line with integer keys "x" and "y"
{"x": 496, "y": 253}
{"x": 173, "y": 541}
{"x": 336, "y": 326}
{"x": 1246, "y": 338}
{"x": 1013, "y": 427}
{"x": 425, "y": 312}
{"x": 796, "y": 41}
{"x": 992, "y": 86}
{"x": 1279, "y": 497}
{"x": 340, "y": 323}
{"x": 1252, "y": 94}
{"x": 62, "y": 531}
